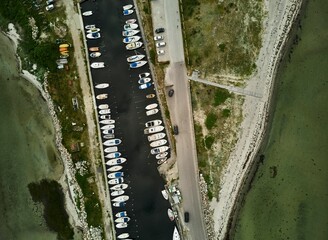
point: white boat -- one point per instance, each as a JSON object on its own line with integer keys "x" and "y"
{"x": 104, "y": 111}
{"x": 130, "y": 33}
{"x": 102, "y": 96}
{"x": 150, "y": 95}
{"x": 94, "y": 35}
{"x": 95, "y": 54}
{"x": 137, "y": 64}
{"x": 90, "y": 26}
{"x": 98, "y": 65}
{"x": 122, "y": 219}
{"x": 117, "y": 193}
{"x": 135, "y": 58}
{"x": 105, "y": 117}
{"x": 132, "y": 20}
{"x": 127, "y": 12}
{"x": 144, "y": 80}
{"x": 144, "y": 75}
{"x": 119, "y": 204}
{"x": 121, "y": 186}
{"x": 133, "y": 46}
{"x": 170, "y": 214}
{"x": 158, "y": 143}
{"x": 165, "y": 194}
{"x": 103, "y": 106}
{"x": 115, "y": 161}
{"x": 110, "y": 149}
{"x": 152, "y": 112}
{"x": 160, "y": 161}
{"x": 102, "y": 85}
{"x": 153, "y": 129}
{"x": 115, "y": 175}
{"x": 109, "y": 136}
{"x": 130, "y": 26}
{"x": 161, "y": 155}
{"x": 113, "y": 155}
{"x": 121, "y": 214}
{"x": 156, "y": 136}
{"x": 131, "y": 39}
{"x": 116, "y": 181}
{"x": 93, "y": 30}
{"x": 159, "y": 150}
{"x": 112, "y": 142}
{"x": 176, "y": 235}
{"x": 107, "y": 121}
{"x": 123, "y": 236}
{"x": 153, "y": 123}
{"x": 108, "y": 131}
{"x": 114, "y": 168}
{"x": 109, "y": 126}
{"x": 151, "y": 106}
{"x": 123, "y": 198}
{"x": 121, "y": 225}
{"x": 127, "y": 7}
{"x": 87, "y": 13}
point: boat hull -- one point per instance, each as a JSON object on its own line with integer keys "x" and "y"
{"x": 115, "y": 161}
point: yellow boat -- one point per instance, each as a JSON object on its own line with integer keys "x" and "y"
{"x": 63, "y": 49}
{"x": 65, "y": 45}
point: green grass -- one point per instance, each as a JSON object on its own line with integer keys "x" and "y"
{"x": 220, "y": 96}
{"x": 226, "y": 113}
{"x": 209, "y": 140}
{"x": 210, "y": 121}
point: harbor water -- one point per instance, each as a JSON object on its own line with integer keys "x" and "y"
{"x": 27, "y": 151}
{"x": 288, "y": 198}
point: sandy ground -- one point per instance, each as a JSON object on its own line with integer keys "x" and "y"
{"x": 281, "y": 14}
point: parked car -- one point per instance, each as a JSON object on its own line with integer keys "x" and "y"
{"x": 160, "y": 44}
{"x": 175, "y": 130}
{"x": 50, "y": 1}
{"x": 159, "y": 37}
{"x": 186, "y": 216}
{"x": 171, "y": 92}
{"x": 159, "y": 30}
{"x": 160, "y": 52}
{"x": 50, "y": 7}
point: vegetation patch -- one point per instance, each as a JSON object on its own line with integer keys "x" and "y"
{"x": 220, "y": 96}
{"x": 210, "y": 120}
{"x": 209, "y": 140}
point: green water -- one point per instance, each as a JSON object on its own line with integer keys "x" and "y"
{"x": 27, "y": 151}
{"x": 294, "y": 204}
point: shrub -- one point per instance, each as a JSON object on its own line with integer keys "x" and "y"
{"x": 220, "y": 96}
{"x": 226, "y": 113}
{"x": 210, "y": 120}
{"x": 209, "y": 140}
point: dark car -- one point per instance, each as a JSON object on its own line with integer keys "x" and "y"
{"x": 159, "y": 30}
{"x": 171, "y": 92}
{"x": 186, "y": 216}
{"x": 175, "y": 130}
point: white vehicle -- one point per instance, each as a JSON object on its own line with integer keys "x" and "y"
{"x": 121, "y": 186}
{"x": 153, "y": 129}
{"x": 159, "y": 37}
{"x": 114, "y": 168}
{"x": 152, "y": 112}
{"x": 113, "y": 155}
{"x": 103, "y": 106}
{"x": 162, "y": 160}
{"x": 94, "y": 35}
{"x": 115, "y": 175}
{"x": 95, "y": 54}
{"x": 151, "y": 106}
{"x": 130, "y": 26}
{"x": 127, "y": 12}
{"x": 116, "y": 181}
{"x": 135, "y": 58}
{"x": 122, "y": 219}
{"x": 144, "y": 75}
{"x": 131, "y": 39}
{"x": 102, "y": 85}
{"x": 112, "y": 142}
{"x": 130, "y": 33}
{"x": 108, "y": 131}
{"x": 107, "y": 121}
{"x": 160, "y": 44}
{"x": 137, "y": 64}
{"x": 115, "y": 161}
{"x": 159, "y": 150}
{"x": 87, "y": 13}
{"x": 50, "y": 7}
{"x": 132, "y": 20}
{"x": 108, "y": 136}
{"x": 145, "y": 85}
{"x": 127, "y": 7}
{"x": 161, "y": 155}
{"x": 158, "y": 143}
{"x": 105, "y": 117}
{"x": 123, "y": 198}
{"x": 117, "y": 193}
{"x": 144, "y": 80}
{"x": 123, "y": 236}
{"x": 110, "y": 149}
{"x": 160, "y": 52}
{"x": 156, "y": 136}
{"x": 121, "y": 214}
{"x": 109, "y": 126}
{"x": 133, "y": 46}
{"x": 102, "y": 96}
{"x": 104, "y": 111}
{"x": 90, "y": 26}
{"x": 153, "y": 123}
{"x": 98, "y": 65}
{"x": 121, "y": 225}
{"x": 93, "y": 30}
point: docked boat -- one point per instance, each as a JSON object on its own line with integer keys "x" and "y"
{"x": 127, "y": 12}
{"x": 123, "y": 236}
{"x": 153, "y": 123}
{"x": 87, "y": 13}
{"x": 145, "y": 85}
{"x": 150, "y": 95}
{"x": 159, "y": 150}
{"x": 116, "y": 181}
{"x": 94, "y": 49}
{"x": 176, "y": 235}
{"x": 115, "y": 161}
{"x": 161, "y": 155}
{"x": 102, "y": 96}
{"x": 151, "y": 106}
{"x": 102, "y": 85}
{"x": 144, "y": 75}
{"x": 156, "y": 136}
{"x": 94, "y": 35}
{"x": 122, "y": 219}
{"x": 108, "y": 136}
{"x": 132, "y": 20}
{"x": 110, "y": 149}
{"x": 121, "y": 225}
{"x": 115, "y": 175}
{"x": 90, "y": 26}
{"x": 95, "y": 54}
{"x": 113, "y": 155}
{"x": 130, "y": 33}
{"x": 104, "y": 111}
{"x": 119, "y": 204}
{"x": 127, "y": 7}
{"x": 130, "y": 26}
{"x": 112, "y": 142}
{"x": 170, "y": 214}
{"x": 158, "y": 143}
{"x": 165, "y": 194}
{"x": 153, "y": 129}
{"x": 134, "y": 45}
{"x": 108, "y": 131}
{"x": 63, "y": 49}
{"x": 93, "y": 30}
{"x": 152, "y": 112}
{"x": 144, "y": 80}
{"x": 131, "y": 39}
{"x": 109, "y": 126}
{"x": 160, "y": 161}
{"x": 121, "y": 214}
{"x": 135, "y": 58}
{"x": 105, "y": 117}
{"x": 64, "y": 45}
{"x": 121, "y": 186}
{"x": 107, "y": 121}
{"x": 98, "y": 65}
{"x": 114, "y": 168}
{"x": 123, "y": 198}
{"x": 117, "y": 193}
{"x": 137, "y": 64}
{"x": 103, "y": 106}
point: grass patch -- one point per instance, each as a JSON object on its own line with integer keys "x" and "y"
{"x": 220, "y": 96}
{"x": 211, "y": 120}
{"x": 226, "y": 113}
{"x": 209, "y": 140}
